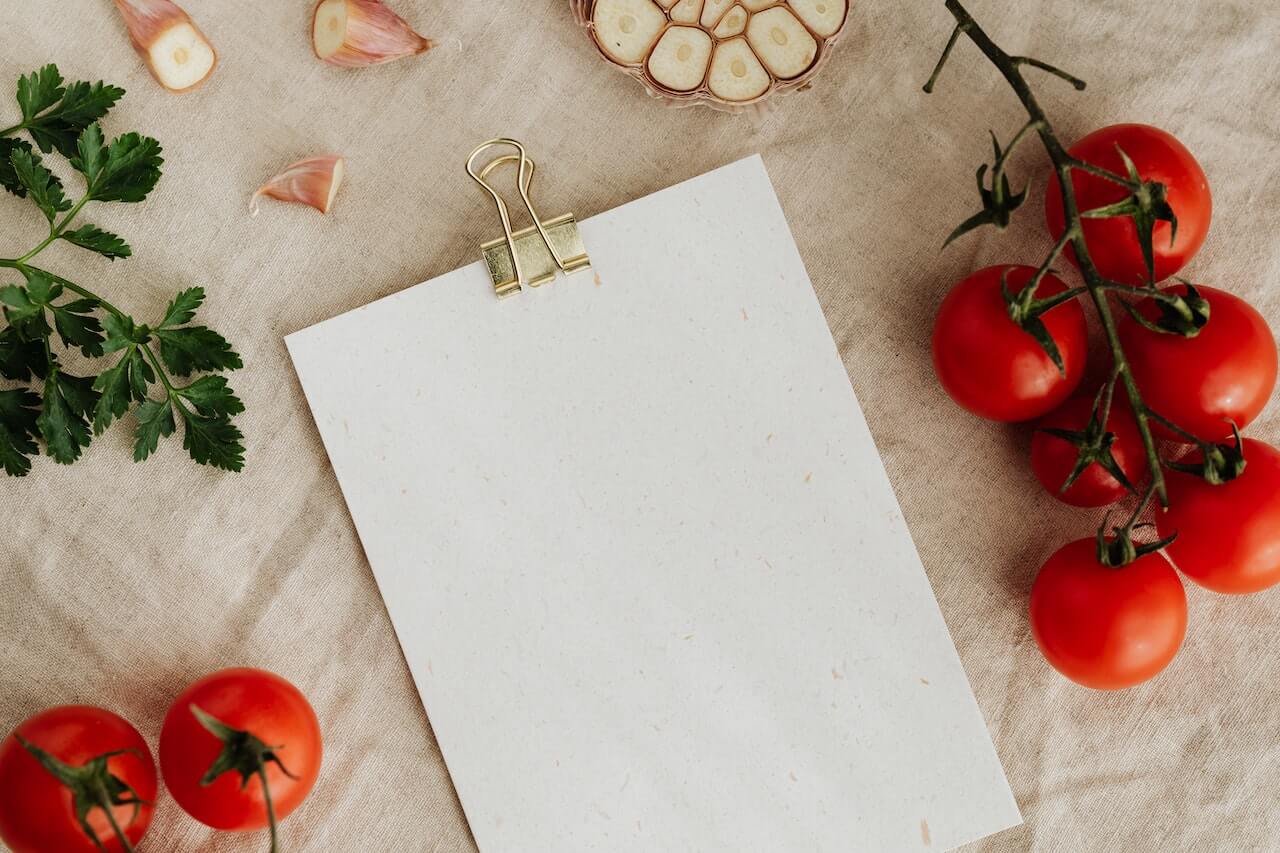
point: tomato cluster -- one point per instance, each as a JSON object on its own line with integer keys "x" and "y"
{"x": 240, "y": 749}
{"x": 1107, "y": 613}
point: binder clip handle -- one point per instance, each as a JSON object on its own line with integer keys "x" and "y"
{"x": 532, "y": 255}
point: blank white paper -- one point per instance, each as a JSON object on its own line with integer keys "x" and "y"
{"x": 641, "y": 553}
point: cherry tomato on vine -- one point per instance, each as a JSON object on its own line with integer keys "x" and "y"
{"x": 261, "y": 731}
{"x": 1107, "y": 628}
{"x": 993, "y": 367}
{"x": 1053, "y": 458}
{"x": 74, "y": 753}
{"x": 1225, "y": 373}
{"x": 1228, "y": 534}
{"x": 1113, "y": 242}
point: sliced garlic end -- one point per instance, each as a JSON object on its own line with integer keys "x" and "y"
{"x": 687, "y": 12}
{"x": 357, "y": 33}
{"x": 736, "y": 75}
{"x": 313, "y": 182}
{"x": 177, "y": 54}
{"x": 679, "y": 61}
{"x": 782, "y": 42}
{"x": 626, "y": 29}
{"x": 824, "y": 17}
{"x": 732, "y": 24}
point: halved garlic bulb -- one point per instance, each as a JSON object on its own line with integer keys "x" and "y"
{"x": 727, "y": 53}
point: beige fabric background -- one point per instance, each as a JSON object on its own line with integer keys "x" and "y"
{"x": 122, "y": 583}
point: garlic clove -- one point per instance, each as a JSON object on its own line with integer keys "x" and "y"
{"x": 626, "y": 29}
{"x": 313, "y": 181}
{"x": 732, "y": 24}
{"x": 736, "y": 74}
{"x": 679, "y": 61}
{"x": 686, "y": 11}
{"x": 757, "y": 5}
{"x": 176, "y": 52}
{"x": 356, "y": 33}
{"x": 782, "y": 42}
{"x": 824, "y": 17}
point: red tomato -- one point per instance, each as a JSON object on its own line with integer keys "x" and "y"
{"x": 1107, "y": 628}
{"x": 37, "y": 813}
{"x": 1228, "y": 535}
{"x": 250, "y": 700}
{"x": 994, "y": 368}
{"x": 1226, "y": 372}
{"x": 1053, "y": 458}
{"x": 1113, "y": 242}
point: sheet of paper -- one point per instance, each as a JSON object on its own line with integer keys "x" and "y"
{"x": 641, "y": 553}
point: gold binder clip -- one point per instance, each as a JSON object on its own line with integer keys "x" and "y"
{"x": 531, "y": 255}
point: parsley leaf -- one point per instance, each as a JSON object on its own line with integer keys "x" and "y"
{"x": 20, "y": 359}
{"x": 212, "y": 396}
{"x": 39, "y": 90}
{"x": 126, "y": 170}
{"x": 19, "y": 409}
{"x": 94, "y": 239}
{"x": 155, "y": 421}
{"x": 191, "y": 348}
{"x": 54, "y": 116}
{"x": 63, "y": 420}
{"x": 121, "y": 385}
{"x": 183, "y": 307}
{"x": 213, "y": 441}
{"x": 121, "y": 332}
{"x": 9, "y": 175}
{"x": 78, "y": 327}
{"x": 43, "y": 186}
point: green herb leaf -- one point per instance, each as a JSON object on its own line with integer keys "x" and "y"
{"x": 8, "y": 175}
{"x": 81, "y": 105}
{"x": 213, "y": 441}
{"x": 19, "y": 409}
{"x": 191, "y": 348}
{"x": 126, "y": 170}
{"x": 183, "y": 307}
{"x": 39, "y": 90}
{"x": 42, "y": 185}
{"x": 20, "y": 359}
{"x": 78, "y": 327}
{"x": 155, "y": 421}
{"x": 121, "y": 332}
{"x": 64, "y": 418}
{"x": 212, "y": 396}
{"x": 94, "y": 239}
{"x": 121, "y": 385}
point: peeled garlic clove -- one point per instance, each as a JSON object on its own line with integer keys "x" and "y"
{"x": 356, "y": 33}
{"x": 824, "y": 17}
{"x": 781, "y": 42}
{"x": 313, "y": 181}
{"x": 712, "y": 12}
{"x": 732, "y": 24}
{"x": 736, "y": 74}
{"x": 679, "y": 61}
{"x": 626, "y": 29}
{"x": 176, "y": 52}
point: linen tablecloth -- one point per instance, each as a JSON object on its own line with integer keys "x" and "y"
{"x": 123, "y": 582}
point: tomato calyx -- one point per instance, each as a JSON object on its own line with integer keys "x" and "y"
{"x": 92, "y": 786}
{"x": 1093, "y": 443}
{"x": 1219, "y": 463}
{"x": 1147, "y": 204}
{"x": 1180, "y": 314}
{"x": 999, "y": 201}
{"x": 245, "y": 754}
{"x": 1120, "y": 549}
{"x": 1025, "y": 310}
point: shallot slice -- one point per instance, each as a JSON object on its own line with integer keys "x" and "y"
{"x": 176, "y": 52}
{"x": 313, "y": 181}
{"x": 356, "y": 33}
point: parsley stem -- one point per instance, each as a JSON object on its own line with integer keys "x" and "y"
{"x": 55, "y": 231}
{"x": 8, "y": 130}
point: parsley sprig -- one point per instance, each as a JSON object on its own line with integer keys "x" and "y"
{"x": 50, "y": 404}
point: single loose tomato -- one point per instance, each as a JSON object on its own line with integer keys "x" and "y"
{"x": 38, "y": 809}
{"x": 1054, "y": 458}
{"x": 1225, "y": 373}
{"x": 1228, "y": 534}
{"x": 993, "y": 367}
{"x": 1107, "y": 628}
{"x": 262, "y": 728}
{"x": 1113, "y": 242}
